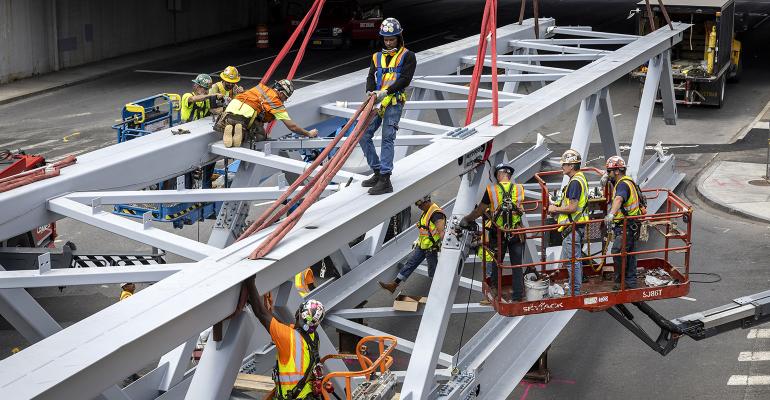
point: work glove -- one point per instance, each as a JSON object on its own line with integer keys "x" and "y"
{"x": 380, "y": 94}
{"x": 415, "y": 244}
{"x": 468, "y": 225}
{"x": 609, "y": 219}
{"x": 312, "y": 133}
{"x": 603, "y": 180}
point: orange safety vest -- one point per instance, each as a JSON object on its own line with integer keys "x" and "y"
{"x": 264, "y": 101}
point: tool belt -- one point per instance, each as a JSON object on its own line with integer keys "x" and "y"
{"x": 507, "y": 236}
{"x": 633, "y": 226}
{"x": 255, "y": 131}
{"x": 581, "y": 230}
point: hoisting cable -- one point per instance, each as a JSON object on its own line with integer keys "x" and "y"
{"x": 488, "y": 32}
{"x": 467, "y": 306}
{"x": 37, "y": 174}
{"x": 535, "y": 12}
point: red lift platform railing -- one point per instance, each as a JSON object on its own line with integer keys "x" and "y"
{"x": 668, "y": 256}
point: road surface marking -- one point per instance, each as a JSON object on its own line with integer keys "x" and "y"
{"x": 754, "y": 356}
{"x": 13, "y": 142}
{"x": 43, "y": 143}
{"x": 67, "y": 138}
{"x": 256, "y": 61}
{"x": 759, "y": 334}
{"x": 75, "y": 153}
{"x": 747, "y": 380}
{"x": 687, "y": 298}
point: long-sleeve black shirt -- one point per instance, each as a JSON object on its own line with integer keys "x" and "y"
{"x": 404, "y": 78}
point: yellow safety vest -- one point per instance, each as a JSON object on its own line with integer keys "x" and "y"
{"x": 386, "y": 75}
{"x": 301, "y": 284}
{"x": 631, "y": 206}
{"x": 429, "y": 236}
{"x": 219, "y": 87}
{"x": 125, "y": 294}
{"x": 495, "y": 194}
{"x": 292, "y": 372}
{"x": 487, "y": 253}
{"x": 196, "y": 110}
{"x": 580, "y": 214}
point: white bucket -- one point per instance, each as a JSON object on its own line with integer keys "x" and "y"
{"x": 535, "y": 290}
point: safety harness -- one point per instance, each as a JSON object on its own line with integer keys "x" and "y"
{"x": 315, "y": 358}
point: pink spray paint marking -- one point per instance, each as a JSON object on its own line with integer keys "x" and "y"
{"x": 529, "y": 385}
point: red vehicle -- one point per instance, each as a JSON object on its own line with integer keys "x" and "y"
{"x": 12, "y": 164}
{"x": 341, "y": 23}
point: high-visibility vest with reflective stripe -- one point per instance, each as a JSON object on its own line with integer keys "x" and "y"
{"x": 581, "y": 214}
{"x": 294, "y": 369}
{"x": 387, "y": 74}
{"x": 125, "y": 294}
{"x": 195, "y": 110}
{"x": 219, "y": 87}
{"x": 300, "y": 284}
{"x": 631, "y": 206}
{"x": 429, "y": 236}
{"x": 263, "y": 100}
{"x": 495, "y": 194}
{"x": 490, "y": 243}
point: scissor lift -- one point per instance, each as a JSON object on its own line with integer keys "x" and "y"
{"x": 669, "y": 256}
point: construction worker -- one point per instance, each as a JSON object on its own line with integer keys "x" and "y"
{"x": 503, "y": 203}
{"x": 127, "y": 290}
{"x": 297, "y": 359}
{"x": 625, "y": 203}
{"x": 304, "y": 282}
{"x": 197, "y": 104}
{"x": 390, "y": 73}
{"x": 431, "y": 232}
{"x": 250, "y": 110}
{"x": 569, "y": 208}
{"x": 228, "y": 86}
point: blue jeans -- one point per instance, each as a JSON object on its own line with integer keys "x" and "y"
{"x": 389, "y": 122}
{"x": 617, "y": 244}
{"x": 418, "y": 255}
{"x": 566, "y": 253}
{"x": 515, "y": 249}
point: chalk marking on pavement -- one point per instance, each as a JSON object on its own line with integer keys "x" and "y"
{"x": 758, "y": 334}
{"x": 754, "y": 356}
{"x": 366, "y": 57}
{"x": 617, "y": 115}
{"x": 748, "y": 380}
{"x": 69, "y": 145}
{"x": 43, "y": 143}
{"x": 12, "y": 142}
{"x": 687, "y": 298}
{"x": 553, "y": 134}
{"x": 67, "y": 137}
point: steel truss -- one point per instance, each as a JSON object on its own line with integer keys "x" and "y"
{"x": 88, "y": 358}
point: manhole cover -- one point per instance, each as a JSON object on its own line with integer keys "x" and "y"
{"x": 759, "y": 182}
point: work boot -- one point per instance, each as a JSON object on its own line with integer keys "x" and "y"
{"x": 373, "y": 180}
{"x": 227, "y": 136}
{"x": 389, "y": 286}
{"x": 382, "y": 186}
{"x": 237, "y": 135}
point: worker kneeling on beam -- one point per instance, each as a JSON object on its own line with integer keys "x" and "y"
{"x": 228, "y": 87}
{"x": 298, "y": 364}
{"x": 250, "y": 110}
{"x": 626, "y": 202}
{"x": 503, "y": 202}
{"x": 571, "y": 208}
{"x": 431, "y": 227}
{"x": 390, "y": 73}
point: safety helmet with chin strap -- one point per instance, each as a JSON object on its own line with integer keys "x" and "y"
{"x": 504, "y": 167}
{"x": 310, "y": 314}
{"x": 424, "y": 199}
{"x": 284, "y": 86}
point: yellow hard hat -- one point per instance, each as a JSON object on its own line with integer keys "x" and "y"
{"x": 230, "y": 74}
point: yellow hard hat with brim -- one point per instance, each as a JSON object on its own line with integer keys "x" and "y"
{"x": 230, "y": 74}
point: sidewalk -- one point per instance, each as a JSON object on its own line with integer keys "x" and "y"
{"x": 737, "y": 187}
{"x": 44, "y": 83}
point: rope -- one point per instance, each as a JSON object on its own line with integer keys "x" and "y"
{"x": 467, "y": 305}
{"x": 488, "y": 29}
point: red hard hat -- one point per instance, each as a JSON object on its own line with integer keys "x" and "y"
{"x": 615, "y": 162}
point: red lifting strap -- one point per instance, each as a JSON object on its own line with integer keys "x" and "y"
{"x": 488, "y": 30}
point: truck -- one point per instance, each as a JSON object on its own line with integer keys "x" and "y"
{"x": 342, "y": 22}
{"x": 707, "y": 58}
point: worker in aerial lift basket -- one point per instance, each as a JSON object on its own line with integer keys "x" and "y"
{"x": 297, "y": 373}
{"x": 430, "y": 227}
{"x": 250, "y": 110}
{"x": 627, "y": 201}
{"x": 572, "y": 207}
{"x": 197, "y": 104}
{"x": 503, "y": 203}
{"x": 228, "y": 87}
{"x": 390, "y": 73}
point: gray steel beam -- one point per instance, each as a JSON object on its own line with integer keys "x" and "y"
{"x": 555, "y": 48}
{"x": 133, "y": 230}
{"x": 299, "y": 144}
{"x": 471, "y": 60}
{"x": 88, "y": 276}
{"x": 420, "y": 126}
{"x": 488, "y": 78}
{"x": 550, "y": 57}
{"x": 605, "y": 120}
{"x": 644, "y": 117}
{"x": 26, "y": 315}
{"x": 438, "y": 105}
{"x": 382, "y": 312}
{"x": 582, "y": 41}
{"x": 587, "y": 32}
{"x": 278, "y": 162}
{"x": 458, "y": 89}
{"x": 670, "y": 115}
{"x": 184, "y": 196}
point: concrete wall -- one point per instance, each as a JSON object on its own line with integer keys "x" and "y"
{"x": 85, "y": 31}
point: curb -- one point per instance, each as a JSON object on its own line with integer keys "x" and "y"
{"x": 717, "y": 204}
{"x": 123, "y": 68}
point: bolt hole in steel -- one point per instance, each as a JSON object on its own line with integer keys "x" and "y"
{"x": 759, "y": 182}
{"x": 311, "y": 227}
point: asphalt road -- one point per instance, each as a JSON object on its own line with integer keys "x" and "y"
{"x": 594, "y": 357}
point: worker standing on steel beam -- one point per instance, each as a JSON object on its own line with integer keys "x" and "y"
{"x": 431, "y": 227}
{"x": 390, "y": 73}
{"x": 626, "y": 202}
{"x": 571, "y": 207}
{"x": 197, "y": 104}
{"x": 228, "y": 87}
{"x": 297, "y": 359}
{"x": 503, "y": 203}
{"x": 250, "y": 110}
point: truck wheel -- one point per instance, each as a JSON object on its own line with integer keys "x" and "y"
{"x": 721, "y": 93}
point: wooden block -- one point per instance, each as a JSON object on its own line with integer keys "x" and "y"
{"x": 258, "y": 383}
